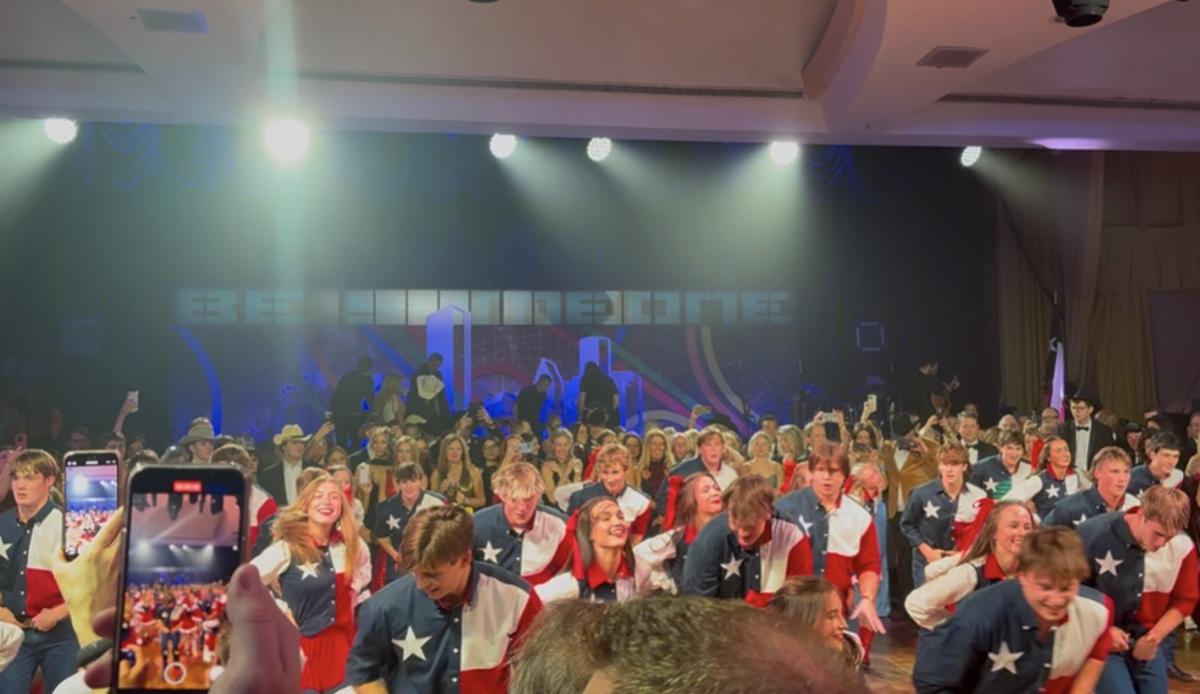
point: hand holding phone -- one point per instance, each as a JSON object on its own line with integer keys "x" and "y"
{"x": 20, "y": 443}
{"x": 364, "y": 474}
{"x": 90, "y": 497}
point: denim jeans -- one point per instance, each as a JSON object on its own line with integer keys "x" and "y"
{"x": 1167, "y": 648}
{"x": 883, "y": 605}
{"x": 1124, "y": 675}
{"x": 54, "y": 651}
{"x": 918, "y": 568}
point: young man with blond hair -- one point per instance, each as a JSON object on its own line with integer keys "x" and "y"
{"x": 1146, "y": 565}
{"x": 520, "y": 535}
{"x": 448, "y": 625}
{"x": 1043, "y": 631}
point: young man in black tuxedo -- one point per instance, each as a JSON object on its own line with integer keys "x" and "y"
{"x": 1083, "y": 434}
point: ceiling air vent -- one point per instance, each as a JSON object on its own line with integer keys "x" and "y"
{"x": 952, "y": 56}
{"x": 175, "y": 22}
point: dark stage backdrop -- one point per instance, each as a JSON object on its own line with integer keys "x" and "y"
{"x": 104, "y": 233}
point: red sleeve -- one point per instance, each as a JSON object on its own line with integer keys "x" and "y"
{"x": 1103, "y": 645}
{"x": 800, "y": 559}
{"x": 642, "y": 524}
{"x": 867, "y": 559}
{"x": 562, "y": 555}
{"x": 268, "y": 509}
{"x": 1186, "y": 592}
{"x": 532, "y": 607}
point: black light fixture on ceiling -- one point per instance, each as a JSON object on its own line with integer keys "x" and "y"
{"x": 1081, "y": 13}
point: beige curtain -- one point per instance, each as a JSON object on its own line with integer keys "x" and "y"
{"x": 1123, "y": 224}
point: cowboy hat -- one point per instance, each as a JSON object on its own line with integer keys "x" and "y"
{"x": 291, "y": 432}
{"x": 201, "y": 431}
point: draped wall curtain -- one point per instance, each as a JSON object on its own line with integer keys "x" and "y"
{"x": 1103, "y": 230}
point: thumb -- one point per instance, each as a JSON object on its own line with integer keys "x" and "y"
{"x": 254, "y": 618}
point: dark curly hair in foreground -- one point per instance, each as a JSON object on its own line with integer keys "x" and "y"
{"x": 672, "y": 645}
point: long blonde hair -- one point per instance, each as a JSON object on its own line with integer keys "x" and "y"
{"x": 294, "y": 527}
{"x": 640, "y": 468}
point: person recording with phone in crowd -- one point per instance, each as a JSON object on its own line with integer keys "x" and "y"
{"x": 909, "y": 461}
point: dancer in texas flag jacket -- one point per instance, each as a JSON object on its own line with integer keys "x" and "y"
{"x": 1142, "y": 561}
{"x": 748, "y": 551}
{"x": 1163, "y": 449}
{"x": 392, "y": 517}
{"x": 1042, "y": 632}
{"x": 520, "y": 535}
{"x": 998, "y": 474}
{"x": 939, "y": 512}
{"x": 1055, "y": 481}
{"x": 690, "y": 505}
{"x": 1110, "y": 472}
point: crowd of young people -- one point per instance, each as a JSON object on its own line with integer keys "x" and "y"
{"x": 434, "y": 561}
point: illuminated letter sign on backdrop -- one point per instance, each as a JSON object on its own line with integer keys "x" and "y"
{"x": 399, "y": 307}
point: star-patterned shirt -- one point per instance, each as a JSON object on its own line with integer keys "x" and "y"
{"x": 27, "y": 584}
{"x": 1045, "y": 489}
{"x": 718, "y": 566}
{"x": 725, "y": 476}
{"x": 419, "y": 646}
{"x": 317, "y": 593}
{"x": 536, "y": 554}
{"x": 392, "y": 517}
{"x": 1141, "y": 479}
{"x": 661, "y": 560}
{"x": 990, "y": 475}
{"x": 932, "y": 603}
{"x": 593, "y": 586}
{"x": 1143, "y": 585}
{"x": 933, "y": 518}
{"x": 1083, "y": 505}
{"x": 635, "y": 505}
{"x": 991, "y": 645}
{"x": 844, "y": 545}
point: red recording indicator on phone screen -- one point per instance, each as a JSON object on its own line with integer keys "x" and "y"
{"x": 186, "y": 487}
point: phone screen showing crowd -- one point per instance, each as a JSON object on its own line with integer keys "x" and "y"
{"x": 182, "y": 552}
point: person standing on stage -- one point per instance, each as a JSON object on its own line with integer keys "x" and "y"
{"x": 691, "y": 504}
{"x": 1144, "y": 563}
{"x": 447, "y": 626}
{"x": 1163, "y": 451}
{"x": 1055, "y": 480}
{"x": 30, "y": 539}
{"x": 938, "y": 512}
{"x": 998, "y": 474}
{"x": 427, "y": 397}
{"x": 521, "y": 535}
{"x": 1110, "y": 475}
{"x": 612, "y": 471}
{"x": 1042, "y": 632}
{"x": 749, "y": 550}
{"x": 710, "y": 458}
{"x": 323, "y": 568}
{"x": 347, "y": 405}
{"x": 992, "y": 557}
{"x": 393, "y": 517}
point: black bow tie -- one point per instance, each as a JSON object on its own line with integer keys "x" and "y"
{"x": 1081, "y": 428}
{"x": 973, "y": 446}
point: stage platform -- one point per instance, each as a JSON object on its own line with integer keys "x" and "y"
{"x": 892, "y": 660}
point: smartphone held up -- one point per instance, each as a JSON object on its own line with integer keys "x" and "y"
{"x": 91, "y": 494}
{"x": 185, "y": 535}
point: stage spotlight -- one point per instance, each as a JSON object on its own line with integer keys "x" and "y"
{"x": 503, "y": 146}
{"x": 599, "y": 148}
{"x": 60, "y": 130}
{"x": 287, "y": 139}
{"x": 784, "y": 153}
{"x": 970, "y": 155}
{"x": 1080, "y": 13}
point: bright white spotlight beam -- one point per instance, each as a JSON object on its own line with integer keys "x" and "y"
{"x": 970, "y": 155}
{"x": 60, "y": 130}
{"x": 599, "y": 148}
{"x": 287, "y": 139}
{"x": 503, "y": 146}
{"x": 784, "y": 153}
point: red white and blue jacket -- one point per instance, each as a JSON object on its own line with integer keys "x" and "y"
{"x": 323, "y": 592}
{"x": 262, "y": 507}
{"x": 391, "y": 518}
{"x": 421, "y": 646}
{"x": 844, "y": 545}
{"x": 27, "y": 584}
{"x": 1083, "y": 505}
{"x": 991, "y": 645}
{"x": 1141, "y": 479}
{"x": 724, "y": 476}
{"x": 1045, "y": 490}
{"x": 990, "y": 475}
{"x": 535, "y": 555}
{"x": 718, "y": 566}
{"x": 661, "y": 560}
{"x": 933, "y": 602}
{"x": 1143, "y": 585}
{"x": 635, "y": 505}
{"x": 591, "y": 584}
{"x": 931, "y": 517}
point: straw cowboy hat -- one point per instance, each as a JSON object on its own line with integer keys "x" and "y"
{"x": 291, "y": 432}
{"x": 202, "y": 431}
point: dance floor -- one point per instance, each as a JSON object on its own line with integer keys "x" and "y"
{"x": 892, "y": 660}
